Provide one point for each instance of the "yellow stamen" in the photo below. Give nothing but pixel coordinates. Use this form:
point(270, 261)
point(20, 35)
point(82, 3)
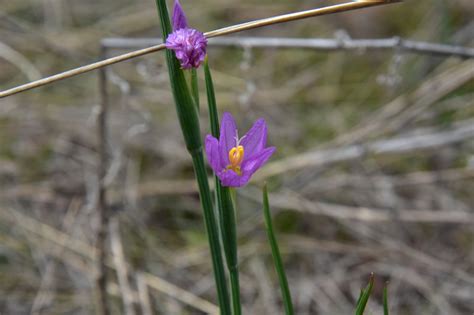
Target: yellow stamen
point(236, 156)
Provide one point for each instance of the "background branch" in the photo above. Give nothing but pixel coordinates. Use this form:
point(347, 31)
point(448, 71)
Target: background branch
point(397, 44)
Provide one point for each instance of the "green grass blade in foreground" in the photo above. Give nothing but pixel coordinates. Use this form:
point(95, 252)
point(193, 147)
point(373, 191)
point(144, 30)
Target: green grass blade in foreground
point(385, 300)
point(213, 234)
point(276, 255)
point(195, 87)
point(225, 206)
point(229, 237)
point(211, 100)
point(187, 112)
point(361, 294)
point(188, 118)
point(364, 298)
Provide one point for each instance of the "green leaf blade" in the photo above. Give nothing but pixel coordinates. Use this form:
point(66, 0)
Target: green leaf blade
point(225, 204)
point(195, 87)
point(285, 290)
point(189, 122)
point(364, 298)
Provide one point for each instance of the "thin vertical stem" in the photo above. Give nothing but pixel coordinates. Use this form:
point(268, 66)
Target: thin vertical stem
point(225, 206)
point(229, 236)
point(195, 87)
point(189, 122)
point(212, 231)
point(234, 282)
point(101, 236)
point(235, 286)
point(285, 291)
point(385, 300)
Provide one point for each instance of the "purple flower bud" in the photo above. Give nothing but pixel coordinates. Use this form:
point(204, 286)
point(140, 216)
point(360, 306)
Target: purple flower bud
point(179, 18)
point(235, 160)
point(188, 44)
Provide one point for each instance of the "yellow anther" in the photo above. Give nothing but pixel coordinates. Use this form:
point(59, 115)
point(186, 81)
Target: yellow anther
point(236, 156)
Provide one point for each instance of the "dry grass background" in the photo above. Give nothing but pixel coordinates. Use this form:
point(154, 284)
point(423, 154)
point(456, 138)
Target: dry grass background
point(374, 170)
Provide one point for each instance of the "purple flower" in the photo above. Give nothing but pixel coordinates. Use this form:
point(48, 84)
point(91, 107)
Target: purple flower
point(235, 160)
point(188, 44)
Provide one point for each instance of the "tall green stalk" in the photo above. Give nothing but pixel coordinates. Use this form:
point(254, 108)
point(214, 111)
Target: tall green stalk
point(189, 121)
point(229, 237)
point(285, 290)
point(225, 205)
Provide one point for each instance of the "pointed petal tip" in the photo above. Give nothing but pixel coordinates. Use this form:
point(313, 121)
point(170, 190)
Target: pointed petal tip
point(179, 17)
point(228, 135)
point(249, 167)
point(255, 139)
point(227, 115)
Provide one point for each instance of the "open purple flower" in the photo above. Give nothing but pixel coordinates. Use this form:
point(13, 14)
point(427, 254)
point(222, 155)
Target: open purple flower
point(235, 160)
point(188, 44)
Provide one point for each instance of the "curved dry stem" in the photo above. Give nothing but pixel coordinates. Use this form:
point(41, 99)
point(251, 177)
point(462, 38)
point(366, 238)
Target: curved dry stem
point(219, 32)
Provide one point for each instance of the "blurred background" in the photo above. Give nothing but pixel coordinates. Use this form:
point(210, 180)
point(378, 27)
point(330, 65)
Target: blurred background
point(374, 170)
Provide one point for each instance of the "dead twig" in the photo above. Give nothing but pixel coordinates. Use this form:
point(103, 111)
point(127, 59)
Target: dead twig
point(354, 5)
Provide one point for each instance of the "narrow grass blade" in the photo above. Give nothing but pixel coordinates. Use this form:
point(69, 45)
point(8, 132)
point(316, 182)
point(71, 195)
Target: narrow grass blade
point(195, 87)
point(225, 205)
point(189, 121)
point(187, 111)
point(385, 300)
point(364, 298)
point(211, 100)
point(360, 296)
point(213, 234)
point(229, 237)
point(276, 255)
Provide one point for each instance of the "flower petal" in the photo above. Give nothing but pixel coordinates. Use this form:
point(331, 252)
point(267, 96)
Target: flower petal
point(212, 152)
point(255, 139)
point(229, 178)
point(179, 18)
point(250, 166)
point(228, 137)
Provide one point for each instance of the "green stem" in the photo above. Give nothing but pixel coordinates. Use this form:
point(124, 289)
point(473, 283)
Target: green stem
point(229, 237)
point(385, 300)
point(212, 232)
point(195, 87)
point(189, 121)
point(211, 99)
point(225, 205)
point(285, 290)
point(234, 282)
